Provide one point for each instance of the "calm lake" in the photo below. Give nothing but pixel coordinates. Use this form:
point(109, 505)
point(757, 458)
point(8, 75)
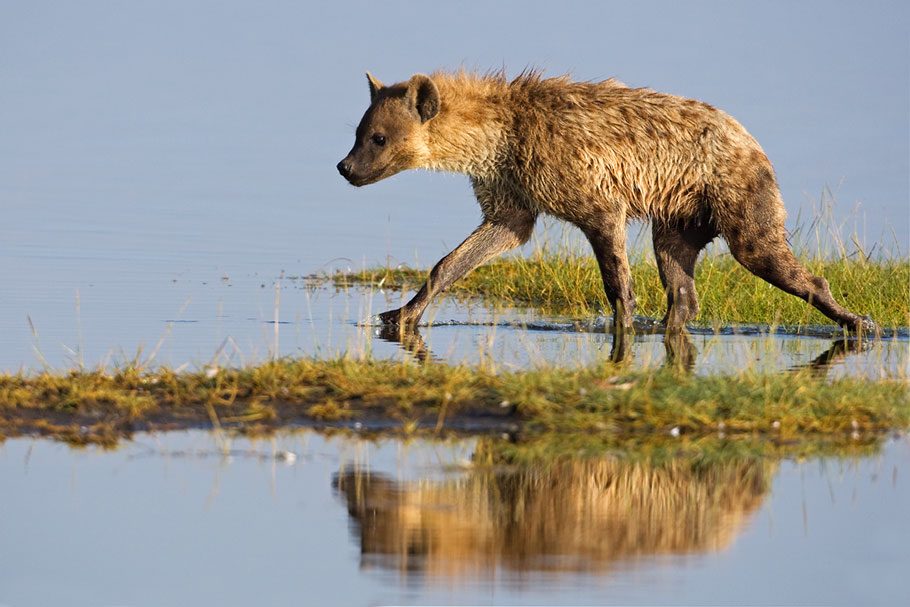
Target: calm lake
point(185, 518)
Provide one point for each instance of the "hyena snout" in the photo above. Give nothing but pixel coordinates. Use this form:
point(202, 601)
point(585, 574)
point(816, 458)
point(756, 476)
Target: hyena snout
point(357, 172)
point(345, 168)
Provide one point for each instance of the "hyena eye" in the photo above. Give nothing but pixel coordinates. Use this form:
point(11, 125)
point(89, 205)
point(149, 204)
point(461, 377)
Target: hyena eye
point(379, 139)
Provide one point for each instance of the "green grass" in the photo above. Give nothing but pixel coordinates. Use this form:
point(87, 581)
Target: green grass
point(602, 399)
point(570, 284)
point(560, 276)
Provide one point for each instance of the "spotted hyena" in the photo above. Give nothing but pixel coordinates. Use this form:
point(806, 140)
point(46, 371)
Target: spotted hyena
point(596, 154)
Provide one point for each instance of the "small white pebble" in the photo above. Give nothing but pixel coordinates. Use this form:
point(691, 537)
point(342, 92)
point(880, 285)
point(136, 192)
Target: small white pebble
point(674, 431)
point(288, 456)
point(775, 424)
point(504, 404)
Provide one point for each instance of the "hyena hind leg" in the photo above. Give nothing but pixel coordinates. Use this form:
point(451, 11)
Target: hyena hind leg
point(676, 247)
point(768, 256)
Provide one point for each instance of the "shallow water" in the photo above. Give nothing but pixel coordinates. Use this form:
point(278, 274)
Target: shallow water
point(305, 518)
point(232, 319)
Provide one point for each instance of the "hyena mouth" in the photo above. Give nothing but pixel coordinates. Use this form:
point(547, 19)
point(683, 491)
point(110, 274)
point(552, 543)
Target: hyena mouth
point(358, 181)
point(362, 180)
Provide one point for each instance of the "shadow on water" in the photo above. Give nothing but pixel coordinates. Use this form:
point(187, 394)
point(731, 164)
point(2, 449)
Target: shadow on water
point(680, 351)
point(565, 515)
point(839, 350)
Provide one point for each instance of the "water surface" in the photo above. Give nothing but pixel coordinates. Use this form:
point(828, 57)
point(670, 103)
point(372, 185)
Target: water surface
point(186, 518)
point(232, 320)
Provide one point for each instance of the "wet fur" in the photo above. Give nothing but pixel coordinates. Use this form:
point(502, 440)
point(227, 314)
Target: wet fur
point(597, 154)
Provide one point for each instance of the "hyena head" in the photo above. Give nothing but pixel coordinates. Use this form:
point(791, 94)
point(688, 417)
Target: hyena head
point(392, 136)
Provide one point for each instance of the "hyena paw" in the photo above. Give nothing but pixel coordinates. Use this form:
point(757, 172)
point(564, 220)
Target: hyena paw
point(396, 317)
point(391, 317)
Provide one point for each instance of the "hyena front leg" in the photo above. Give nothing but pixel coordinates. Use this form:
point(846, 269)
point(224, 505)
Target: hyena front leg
point(491, 238)
point(608, 239)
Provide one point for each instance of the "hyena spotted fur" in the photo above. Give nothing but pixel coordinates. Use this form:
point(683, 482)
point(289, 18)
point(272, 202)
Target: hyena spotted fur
point(596, 154)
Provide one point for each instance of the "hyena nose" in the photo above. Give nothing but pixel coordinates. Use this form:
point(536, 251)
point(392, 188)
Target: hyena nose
point(344, 167)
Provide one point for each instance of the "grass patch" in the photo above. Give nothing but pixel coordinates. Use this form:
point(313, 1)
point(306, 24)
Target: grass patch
point(604, 399)
point(570, 284)
point(559, 275)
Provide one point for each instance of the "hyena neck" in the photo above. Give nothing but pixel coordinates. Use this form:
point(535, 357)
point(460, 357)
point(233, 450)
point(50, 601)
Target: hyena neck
point(469, 133)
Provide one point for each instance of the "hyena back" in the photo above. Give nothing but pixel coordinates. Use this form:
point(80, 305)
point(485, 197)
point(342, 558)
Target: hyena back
point(596, 154)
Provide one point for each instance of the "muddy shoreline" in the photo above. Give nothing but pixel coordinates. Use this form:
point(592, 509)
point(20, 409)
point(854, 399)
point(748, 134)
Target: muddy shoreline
point(108, 425)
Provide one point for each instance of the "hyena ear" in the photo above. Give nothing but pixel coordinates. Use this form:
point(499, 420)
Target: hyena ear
point(423, 97)
point(375, 87)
